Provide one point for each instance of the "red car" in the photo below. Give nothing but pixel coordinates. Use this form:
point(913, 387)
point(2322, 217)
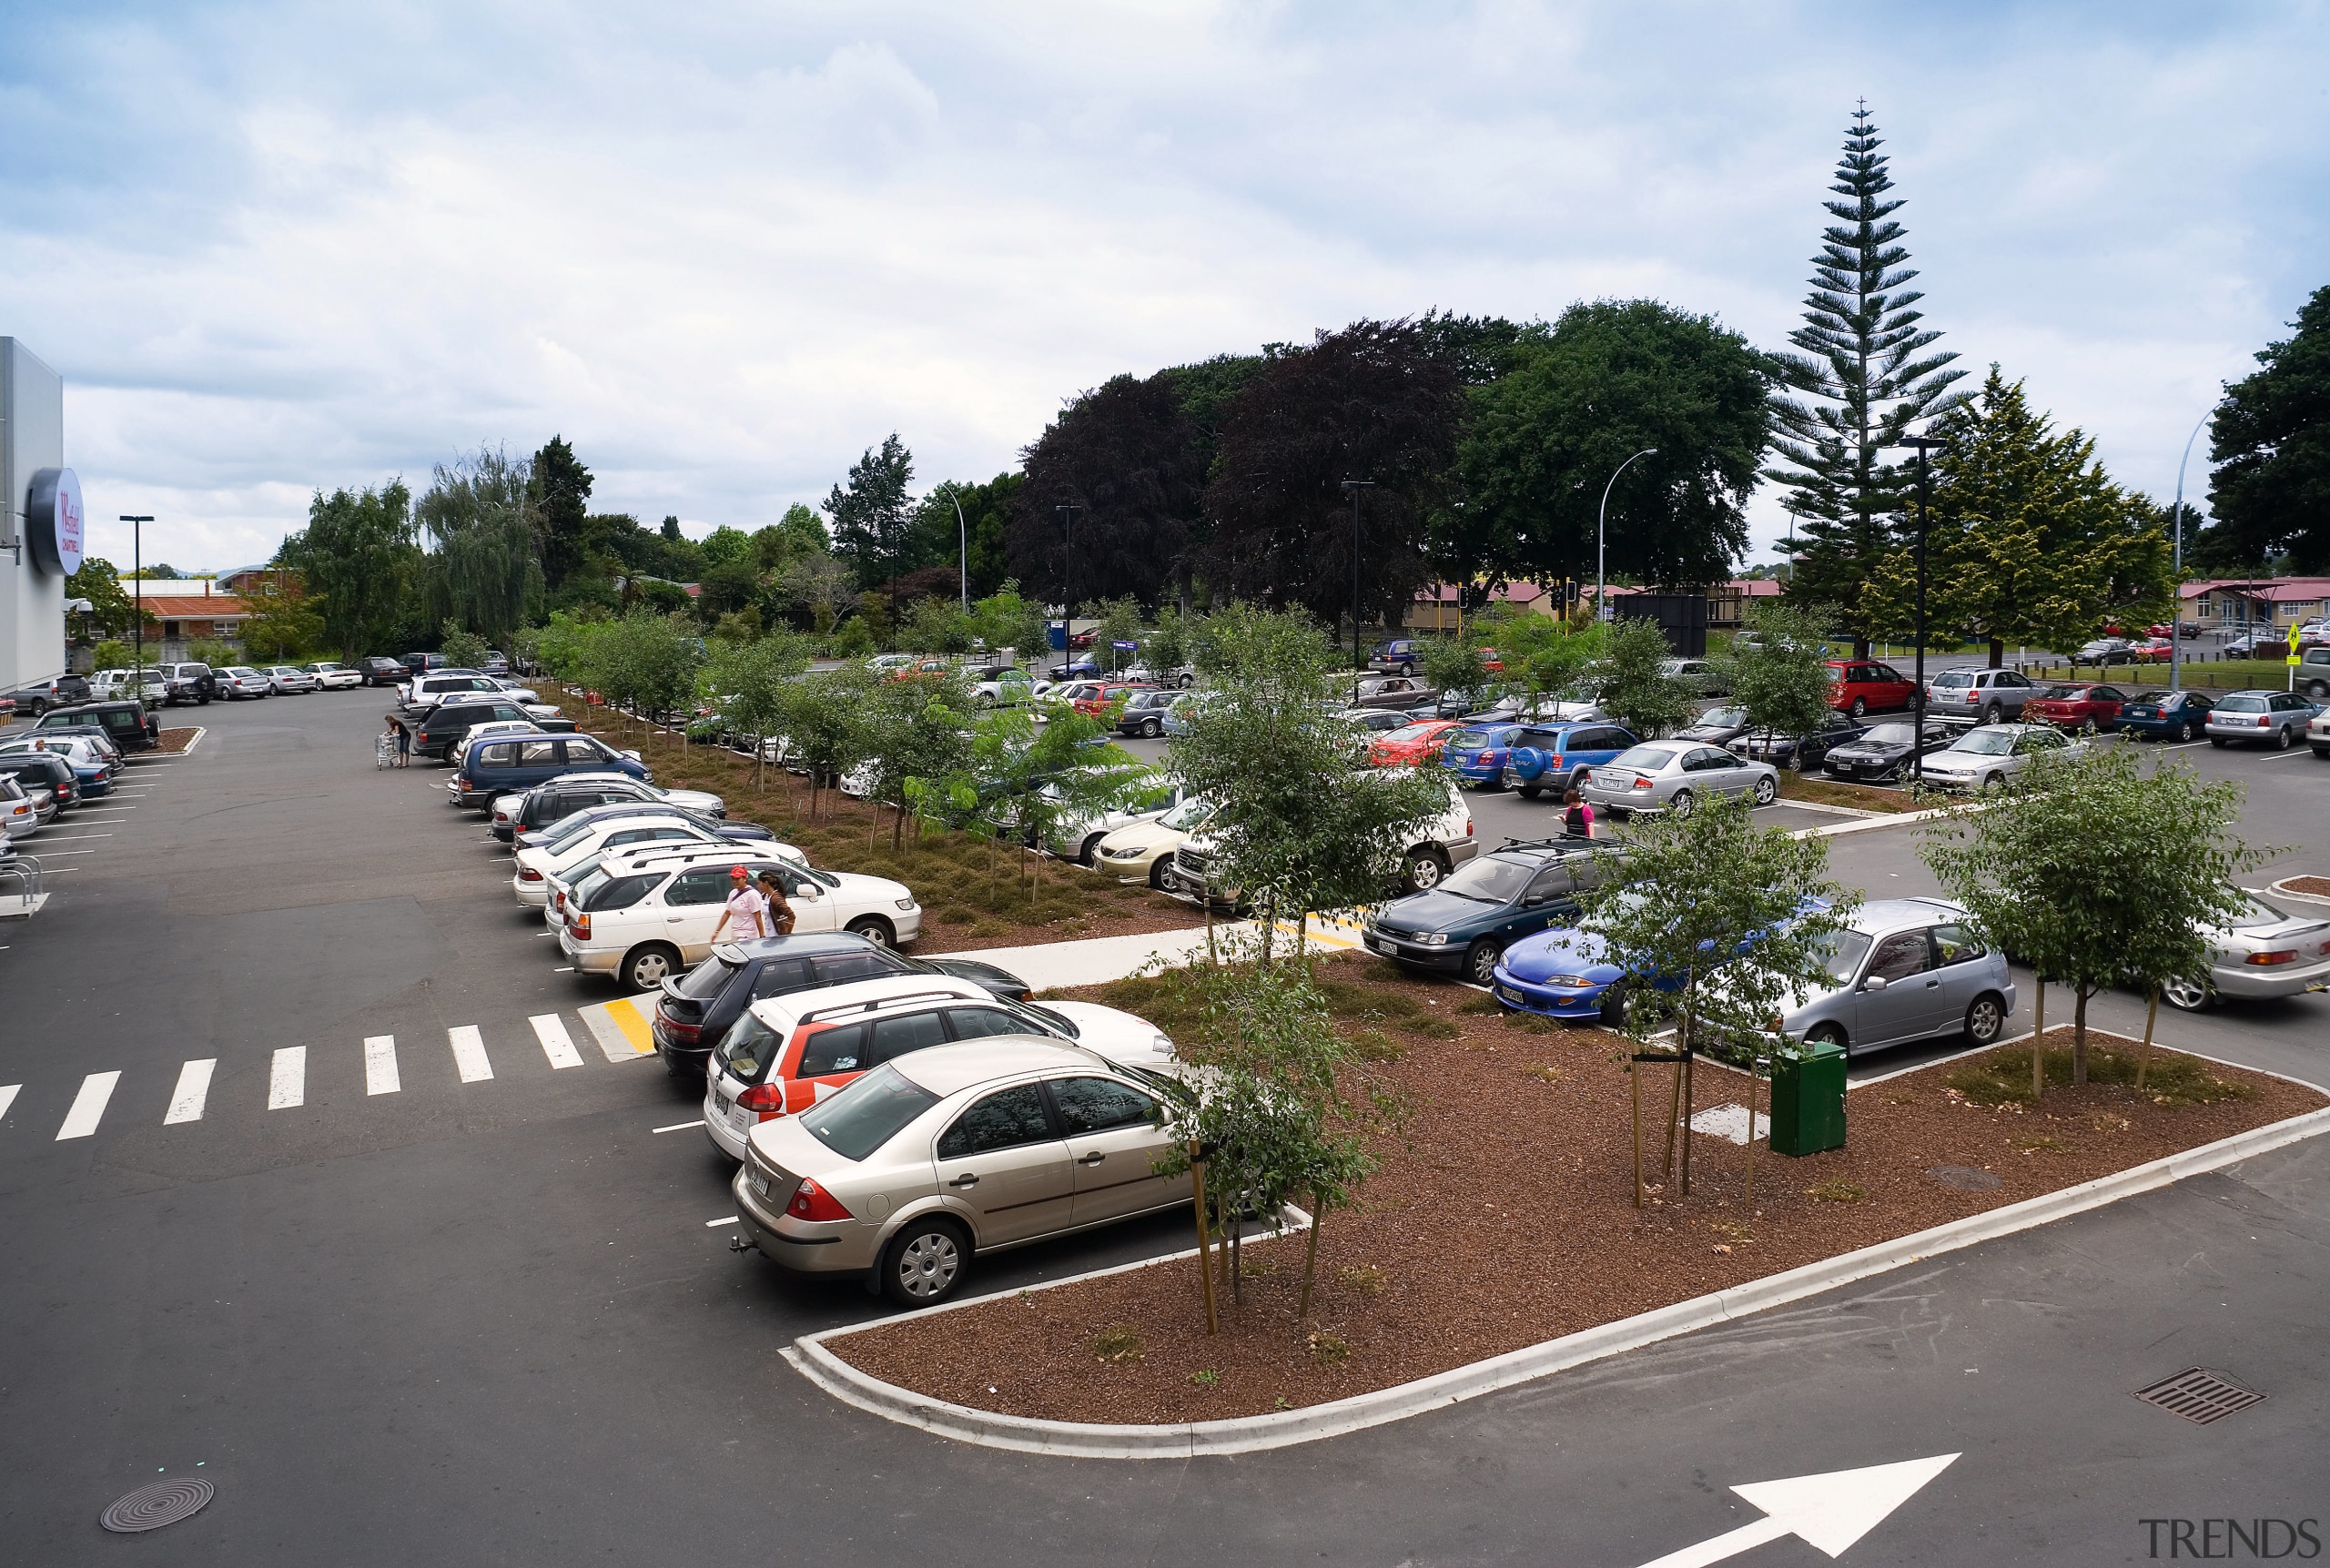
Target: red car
point(1111, 693)
point(2155, 649)
point(1410, 746)
point(2076, 707)
point(1862, 685)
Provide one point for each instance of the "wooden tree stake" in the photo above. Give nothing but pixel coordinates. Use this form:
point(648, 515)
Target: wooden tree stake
point(1205, 1245)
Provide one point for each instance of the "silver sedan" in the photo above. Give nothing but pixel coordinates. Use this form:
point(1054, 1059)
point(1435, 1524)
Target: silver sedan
point(286, 679)
point(1676, 775)
point(2259, 955)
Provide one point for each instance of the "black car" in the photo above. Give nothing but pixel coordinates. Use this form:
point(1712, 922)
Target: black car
point(125, 723)
point(1802, 753)
point(555, 802)
point(1716, 727)
point(38, 770)
point(603, 811)
point(41, 696)
point(696, 1008)
point(1881, 753)
point(446, 724)
point(380, 670)
point(1482, 906)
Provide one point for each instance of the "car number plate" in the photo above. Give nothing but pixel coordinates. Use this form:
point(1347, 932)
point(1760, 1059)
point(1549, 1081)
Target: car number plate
point(723, 1101)
point(1378, 943)
point(760, 1183)
point(1508, 993)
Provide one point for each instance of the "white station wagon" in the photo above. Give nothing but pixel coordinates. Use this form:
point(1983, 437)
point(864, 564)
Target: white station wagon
point(645, 917)
point(564, 857)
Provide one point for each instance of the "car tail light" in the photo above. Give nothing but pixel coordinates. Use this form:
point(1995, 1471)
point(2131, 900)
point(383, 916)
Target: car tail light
point(766, 1098)
point(580, 925)
point(528, 874)
point(811, 1202)
point(2288, 955)
point(1468, 827)
point(2264, 720)
point(1642, 784)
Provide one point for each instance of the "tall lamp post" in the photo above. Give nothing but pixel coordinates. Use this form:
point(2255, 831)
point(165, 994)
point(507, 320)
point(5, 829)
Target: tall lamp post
point(1924, 444)
point(1601, 521)
point(963, 535)
point(1359, 662)
point(137, 603)
point(2176, 523)
point(1066, 600)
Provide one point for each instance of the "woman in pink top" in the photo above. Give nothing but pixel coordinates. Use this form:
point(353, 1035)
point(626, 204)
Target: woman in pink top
point(747, 912)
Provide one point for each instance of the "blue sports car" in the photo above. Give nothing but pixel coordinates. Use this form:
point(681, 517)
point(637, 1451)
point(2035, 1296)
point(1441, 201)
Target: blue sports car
point(1565, 973)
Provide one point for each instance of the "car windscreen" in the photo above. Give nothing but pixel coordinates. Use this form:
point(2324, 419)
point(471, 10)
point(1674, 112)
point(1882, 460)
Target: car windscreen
point(1186, 817)
point(1889, 736)
point(621, 891)
point(1646, 759)
point(1954, 678)
point(1492, 880)
point(1040, 1019)
point(868, 1113)
point(1722, 718)
point(2063, 693)
point(1987, 742)
point(1412, 732)
point(1841, 953)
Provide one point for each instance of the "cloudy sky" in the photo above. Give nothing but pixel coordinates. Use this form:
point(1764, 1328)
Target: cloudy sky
point(722, 247)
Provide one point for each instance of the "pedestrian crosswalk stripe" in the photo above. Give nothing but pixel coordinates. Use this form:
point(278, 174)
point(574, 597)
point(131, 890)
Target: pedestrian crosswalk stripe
point(556, 1045)
point(194, 1090)
point(88, 1106)
point(286, 1080)
point(381, 1065)
point(8, 1097)
point(469, 1053)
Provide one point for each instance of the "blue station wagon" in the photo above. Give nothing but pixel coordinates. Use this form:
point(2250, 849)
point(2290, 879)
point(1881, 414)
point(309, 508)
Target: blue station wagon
point(496, 768)
point(1550, 758)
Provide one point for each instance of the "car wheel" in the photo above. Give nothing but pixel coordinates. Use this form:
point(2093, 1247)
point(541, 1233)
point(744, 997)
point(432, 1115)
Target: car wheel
point(874, 930)
point(2188, 731)
point(1480, 962)
point(1160, 873)
point(1089, 849)
point(1407, 671)
point(1986, 1019)
point(648, 966)
point(2187, 994)
point(924, 1261)
point(1991, 714)
point(1683, 805)
point(1150, 729)
point(1424, 870)
point(1767, 790)
point(2317, 690)
point(1612, 1004)
point(1859, 709)
point(1830, 1034)
point(1529, 792)
point(2284, 737)
point(2217, 741)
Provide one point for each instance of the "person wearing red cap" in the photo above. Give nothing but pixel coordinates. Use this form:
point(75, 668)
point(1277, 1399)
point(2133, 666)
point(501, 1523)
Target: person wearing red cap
point(747, 912)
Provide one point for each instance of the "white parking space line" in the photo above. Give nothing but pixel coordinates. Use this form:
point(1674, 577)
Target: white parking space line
point(469, 1053)
point(714, 1224)
point(676, 1127)
point(69, 837)
point(557, 1045)
point(2284, 757)
point(286, 1080)
point(8, 1093)
point(88, 1106)
point(192, 1093)
point(58, 854)
point(381, 1065)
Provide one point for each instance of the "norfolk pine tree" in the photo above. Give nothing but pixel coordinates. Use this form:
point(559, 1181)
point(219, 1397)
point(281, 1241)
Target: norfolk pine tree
point(1863, 364)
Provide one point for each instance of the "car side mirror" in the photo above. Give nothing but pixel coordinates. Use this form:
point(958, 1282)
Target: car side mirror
point(1875, 982)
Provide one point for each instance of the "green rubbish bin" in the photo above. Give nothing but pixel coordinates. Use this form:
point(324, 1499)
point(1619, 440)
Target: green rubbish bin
point(1808, 1098)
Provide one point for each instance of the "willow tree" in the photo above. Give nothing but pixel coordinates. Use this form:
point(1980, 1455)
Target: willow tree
point(484, 571)
point(1864, 366)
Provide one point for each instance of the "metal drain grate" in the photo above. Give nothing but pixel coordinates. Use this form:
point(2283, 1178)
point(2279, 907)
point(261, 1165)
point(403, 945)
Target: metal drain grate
point(151, 1507)
point(2198, 1395)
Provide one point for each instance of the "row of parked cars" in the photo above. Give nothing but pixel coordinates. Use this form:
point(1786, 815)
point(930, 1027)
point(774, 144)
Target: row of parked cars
point(70, 757)
point(889, 1116)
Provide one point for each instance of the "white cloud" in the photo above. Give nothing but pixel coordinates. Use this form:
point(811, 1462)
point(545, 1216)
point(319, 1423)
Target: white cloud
point(725, 249)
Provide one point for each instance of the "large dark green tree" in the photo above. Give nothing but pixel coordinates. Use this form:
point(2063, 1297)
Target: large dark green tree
point(560, 487)
point(1371, 403)
point(2271, 441)
point(985, 519)
point(1606, 381)
point(1128, 459)
point(480, 513)
point(1865, 367)
point(360, 561)
point(872, 514)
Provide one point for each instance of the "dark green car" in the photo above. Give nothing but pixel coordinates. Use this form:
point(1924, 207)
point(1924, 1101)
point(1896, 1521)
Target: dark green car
point(1462, 926)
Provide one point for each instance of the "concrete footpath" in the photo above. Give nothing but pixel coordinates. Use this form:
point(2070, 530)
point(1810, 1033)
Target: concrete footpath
point(1097, 960)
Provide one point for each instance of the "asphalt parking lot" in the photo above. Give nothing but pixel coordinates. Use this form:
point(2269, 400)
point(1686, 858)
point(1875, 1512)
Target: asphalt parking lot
point(397, 1312)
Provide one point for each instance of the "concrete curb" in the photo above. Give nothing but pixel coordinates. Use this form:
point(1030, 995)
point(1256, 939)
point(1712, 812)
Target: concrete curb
point(1249, 1435)
point(2279, 890)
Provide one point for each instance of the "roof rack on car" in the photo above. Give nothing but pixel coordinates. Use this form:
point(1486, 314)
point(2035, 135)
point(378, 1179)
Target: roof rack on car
point(848, 1007)
point(1559, 841)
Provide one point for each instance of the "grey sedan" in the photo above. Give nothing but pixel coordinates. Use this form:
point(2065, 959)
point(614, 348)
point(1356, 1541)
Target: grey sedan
point(1676, 775)
point(2258, 954)
point(1906, 969)
point(1986, 757)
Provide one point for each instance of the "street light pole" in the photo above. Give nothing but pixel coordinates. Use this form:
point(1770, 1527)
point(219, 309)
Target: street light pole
point(963, 534)
point(1601, 593)
point(1358, 662)
point(1917, 734)
point(137, 603)
point(2176, 523)
point(1066, 600)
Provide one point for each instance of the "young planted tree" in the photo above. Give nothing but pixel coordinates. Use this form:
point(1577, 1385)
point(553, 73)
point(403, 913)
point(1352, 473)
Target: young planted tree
point(1299, 823)
point(1722, 923)
point(914, 729)
point(2094, 874)
point(1631, 679)
point(462, 648)
point(1455, 667)
point(750, 680)
point(1119, 620)
point(1780, 675)
point(1544, 658)
point(823, 719)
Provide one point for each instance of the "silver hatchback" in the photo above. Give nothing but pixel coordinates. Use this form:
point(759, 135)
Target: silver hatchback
point(1676, 775)
point(927, 1160)
point(1989, 695)
point(1906, 969)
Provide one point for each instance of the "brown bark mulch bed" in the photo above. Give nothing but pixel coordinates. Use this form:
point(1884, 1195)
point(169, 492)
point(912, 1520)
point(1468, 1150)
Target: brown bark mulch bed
point(2317, 886)
point(1821, 790)
point(1507, 1219)
point(967, 903)
point(171, 741)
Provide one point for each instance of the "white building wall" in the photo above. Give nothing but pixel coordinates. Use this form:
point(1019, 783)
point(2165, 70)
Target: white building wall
point(32, 437)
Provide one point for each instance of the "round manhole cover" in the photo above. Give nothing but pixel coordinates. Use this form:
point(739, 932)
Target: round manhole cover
point(151, 1507)
point(1965, 1178)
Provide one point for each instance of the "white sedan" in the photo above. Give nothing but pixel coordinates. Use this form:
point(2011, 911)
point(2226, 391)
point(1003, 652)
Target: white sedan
point(564, 857)
point(643, 918)
point(1987, 756)
point(334, 677)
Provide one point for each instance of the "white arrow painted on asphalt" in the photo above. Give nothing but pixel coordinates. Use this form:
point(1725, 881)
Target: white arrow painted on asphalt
point(1832, 1511)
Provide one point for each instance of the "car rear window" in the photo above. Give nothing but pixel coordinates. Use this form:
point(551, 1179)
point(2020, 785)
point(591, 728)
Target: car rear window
point(868, 1113)
point(618, 892)
point(2240, 704)
point(706, 981)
